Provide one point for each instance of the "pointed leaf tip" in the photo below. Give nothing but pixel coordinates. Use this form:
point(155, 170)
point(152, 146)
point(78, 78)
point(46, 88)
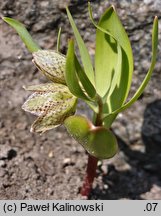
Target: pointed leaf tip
point(23, 33)
point(156, 17)
point(113, 7)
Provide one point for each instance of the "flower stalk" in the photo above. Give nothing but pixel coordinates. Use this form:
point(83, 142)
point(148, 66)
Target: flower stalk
point(90, 175)
point(92, 161)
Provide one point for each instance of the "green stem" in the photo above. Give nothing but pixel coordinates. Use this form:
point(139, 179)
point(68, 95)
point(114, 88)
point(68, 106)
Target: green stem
point(92, 161)
point(98, 121)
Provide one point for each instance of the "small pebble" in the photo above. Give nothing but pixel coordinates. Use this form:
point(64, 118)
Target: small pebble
point(50, 155)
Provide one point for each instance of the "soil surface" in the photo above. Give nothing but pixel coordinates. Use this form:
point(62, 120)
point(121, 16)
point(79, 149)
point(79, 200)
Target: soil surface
point(52, 166)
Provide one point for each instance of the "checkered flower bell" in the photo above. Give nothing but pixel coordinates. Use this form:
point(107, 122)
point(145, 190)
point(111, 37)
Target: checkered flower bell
point(51, 102)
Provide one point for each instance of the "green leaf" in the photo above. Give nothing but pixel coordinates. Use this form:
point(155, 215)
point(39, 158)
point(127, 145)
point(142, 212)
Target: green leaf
point(87, 85)
point(58, 40)
point(148, 76)
point(101, 143)
point(115, 79)
point(85, 57)
point(70, 73)
point(78, 127)
point(97, 141)
point(52, 103)
point(23, 33)
point(112, 50)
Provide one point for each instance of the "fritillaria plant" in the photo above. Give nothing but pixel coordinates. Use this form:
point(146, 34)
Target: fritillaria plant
point(104, 86)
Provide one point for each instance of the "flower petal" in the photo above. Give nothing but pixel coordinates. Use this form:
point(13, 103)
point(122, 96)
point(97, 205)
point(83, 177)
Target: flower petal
point(52, 102)
point(54, 116)
point(51, 63)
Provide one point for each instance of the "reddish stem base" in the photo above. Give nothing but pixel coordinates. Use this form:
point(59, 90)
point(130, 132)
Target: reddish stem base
point(90, 175)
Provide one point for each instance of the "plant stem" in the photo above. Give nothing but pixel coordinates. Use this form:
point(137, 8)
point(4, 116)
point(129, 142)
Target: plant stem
point(98, 121)
point(92, 161)
point(90, 175)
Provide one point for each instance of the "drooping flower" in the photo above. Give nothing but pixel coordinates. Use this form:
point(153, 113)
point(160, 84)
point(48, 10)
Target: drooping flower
point(51, 102)
point(51, 64)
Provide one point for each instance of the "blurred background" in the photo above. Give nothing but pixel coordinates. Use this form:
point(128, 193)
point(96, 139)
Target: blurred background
point(52, 166)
